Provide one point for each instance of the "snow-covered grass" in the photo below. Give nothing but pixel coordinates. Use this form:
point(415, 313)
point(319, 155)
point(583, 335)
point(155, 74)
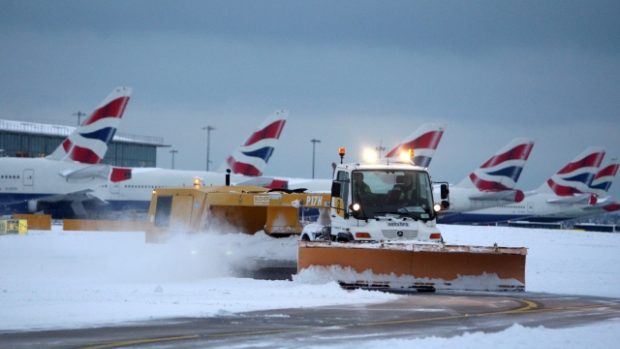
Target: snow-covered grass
point(75, 279)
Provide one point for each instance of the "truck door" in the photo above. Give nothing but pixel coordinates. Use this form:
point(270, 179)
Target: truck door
point(115, 188)
point(343, 178)
point(28, 177)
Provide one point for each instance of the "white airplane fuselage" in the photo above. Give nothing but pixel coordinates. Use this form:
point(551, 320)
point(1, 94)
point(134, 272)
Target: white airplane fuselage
point(138, 189)
point(25, 180)
point(535, 207)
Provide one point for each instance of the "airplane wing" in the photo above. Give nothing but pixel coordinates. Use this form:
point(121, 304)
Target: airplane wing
point(81, 195)
point(101, 171)
point(94, 171)
point(504, 195)
point(76, 199)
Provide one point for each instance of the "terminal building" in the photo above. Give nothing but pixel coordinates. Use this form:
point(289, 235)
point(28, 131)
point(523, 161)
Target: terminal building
point(31, 139)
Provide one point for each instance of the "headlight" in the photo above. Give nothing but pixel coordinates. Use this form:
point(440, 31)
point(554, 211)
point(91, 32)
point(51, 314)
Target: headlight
point(437, 207)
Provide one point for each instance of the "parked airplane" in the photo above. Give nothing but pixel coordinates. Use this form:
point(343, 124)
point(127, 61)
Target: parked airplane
point(248, 161)
point(251, 158)
point(565, 189)
point(493, 183)
point(600, 187)
point(67, 176)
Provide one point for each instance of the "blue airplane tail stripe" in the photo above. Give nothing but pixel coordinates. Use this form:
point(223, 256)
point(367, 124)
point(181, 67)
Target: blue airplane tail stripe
point(263, 153)
point(585, 178)
point(422, 161)
point(512, 172)
point(602, 186)
point(105, 134)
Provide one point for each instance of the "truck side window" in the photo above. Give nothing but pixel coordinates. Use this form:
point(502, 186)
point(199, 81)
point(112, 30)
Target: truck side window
point(343, 177)
point(162, 211)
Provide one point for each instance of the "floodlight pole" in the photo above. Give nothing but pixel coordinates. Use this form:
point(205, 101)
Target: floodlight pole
point(173, 152)
point(208, 128)
point(314, 142)
point(379, 149)
point(79, 115)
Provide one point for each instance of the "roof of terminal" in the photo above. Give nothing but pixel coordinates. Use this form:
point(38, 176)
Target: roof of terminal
point(64, 130)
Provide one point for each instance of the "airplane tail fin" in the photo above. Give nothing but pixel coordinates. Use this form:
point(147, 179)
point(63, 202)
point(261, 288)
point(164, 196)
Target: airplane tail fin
point(603, 179)
point(502, 171)
point(423, 141)
point(251, 158)
point(88, 143)
point(576, 176)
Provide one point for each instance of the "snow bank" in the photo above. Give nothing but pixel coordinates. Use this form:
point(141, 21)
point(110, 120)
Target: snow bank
point(484, 282)
point(602, 335)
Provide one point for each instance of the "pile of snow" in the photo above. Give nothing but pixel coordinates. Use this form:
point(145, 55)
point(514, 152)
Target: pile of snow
point(484, 282)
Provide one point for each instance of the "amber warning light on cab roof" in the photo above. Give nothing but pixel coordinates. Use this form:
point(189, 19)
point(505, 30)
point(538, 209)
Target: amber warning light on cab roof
point(341, 152)
point(406, 155)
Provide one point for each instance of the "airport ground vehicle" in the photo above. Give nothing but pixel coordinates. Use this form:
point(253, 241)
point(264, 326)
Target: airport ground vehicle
point(376, 229)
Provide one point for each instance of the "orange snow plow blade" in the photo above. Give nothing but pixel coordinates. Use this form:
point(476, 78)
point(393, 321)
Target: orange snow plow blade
point(419, 266)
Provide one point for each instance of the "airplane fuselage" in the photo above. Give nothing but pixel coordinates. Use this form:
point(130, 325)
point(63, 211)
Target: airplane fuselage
point(536, 207)
point(23, 181)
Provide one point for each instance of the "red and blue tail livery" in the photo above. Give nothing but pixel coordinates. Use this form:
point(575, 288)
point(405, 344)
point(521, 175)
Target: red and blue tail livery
point(577, 176)
point(602, 180)
point(501, 172)
point(251, 158)
point(423, 142)
point(89, 142)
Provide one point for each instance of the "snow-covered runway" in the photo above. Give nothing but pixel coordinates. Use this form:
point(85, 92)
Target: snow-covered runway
point(66, 280)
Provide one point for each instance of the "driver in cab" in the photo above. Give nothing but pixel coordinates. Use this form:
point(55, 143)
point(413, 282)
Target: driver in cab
point(360, 187)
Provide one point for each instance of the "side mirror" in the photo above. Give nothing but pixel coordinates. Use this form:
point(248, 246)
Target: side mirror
point(336, 189)
point(444, 191)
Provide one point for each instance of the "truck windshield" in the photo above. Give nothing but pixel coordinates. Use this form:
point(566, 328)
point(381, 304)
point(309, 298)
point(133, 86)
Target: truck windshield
point(392, 192)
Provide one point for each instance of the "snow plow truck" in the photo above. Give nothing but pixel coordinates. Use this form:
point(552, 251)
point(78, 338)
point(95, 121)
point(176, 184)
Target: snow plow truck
point(376, 229)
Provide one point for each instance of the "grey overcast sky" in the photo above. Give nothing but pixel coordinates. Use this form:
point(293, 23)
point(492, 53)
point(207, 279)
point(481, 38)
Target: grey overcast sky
point(352, 73)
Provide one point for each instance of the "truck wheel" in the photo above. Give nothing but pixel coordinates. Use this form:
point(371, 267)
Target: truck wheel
point(344, 237)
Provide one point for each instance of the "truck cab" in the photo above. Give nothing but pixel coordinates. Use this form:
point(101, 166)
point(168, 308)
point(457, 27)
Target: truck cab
point(374, 202)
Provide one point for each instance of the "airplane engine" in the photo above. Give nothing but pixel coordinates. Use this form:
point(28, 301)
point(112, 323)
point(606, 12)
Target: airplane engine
point(33, 206)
